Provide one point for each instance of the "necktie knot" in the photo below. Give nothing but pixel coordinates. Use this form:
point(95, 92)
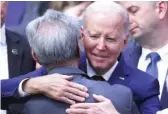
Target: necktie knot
point(154, 56)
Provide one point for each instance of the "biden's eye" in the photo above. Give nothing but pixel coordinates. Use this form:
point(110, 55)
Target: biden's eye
point(94, 36)
point(111, 39)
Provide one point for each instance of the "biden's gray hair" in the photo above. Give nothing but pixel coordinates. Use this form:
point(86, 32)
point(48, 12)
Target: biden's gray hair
point(110, 7)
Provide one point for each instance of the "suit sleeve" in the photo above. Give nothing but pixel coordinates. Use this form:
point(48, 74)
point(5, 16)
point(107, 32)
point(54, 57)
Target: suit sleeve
point(9, 86)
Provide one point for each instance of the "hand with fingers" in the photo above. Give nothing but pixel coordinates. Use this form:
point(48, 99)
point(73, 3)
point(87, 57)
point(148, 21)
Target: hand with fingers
point(58, 87)
point(103, 106)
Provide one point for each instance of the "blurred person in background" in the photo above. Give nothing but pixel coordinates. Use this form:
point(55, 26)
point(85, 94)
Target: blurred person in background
point(15, 55)
point(150, 54)
point(71, 8)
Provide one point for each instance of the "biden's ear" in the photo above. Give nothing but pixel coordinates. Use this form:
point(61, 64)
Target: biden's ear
point(127, 37)
point(80, 42)
point(81, 33)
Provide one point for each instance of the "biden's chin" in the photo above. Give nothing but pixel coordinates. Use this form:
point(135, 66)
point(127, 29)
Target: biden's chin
point(99, 67)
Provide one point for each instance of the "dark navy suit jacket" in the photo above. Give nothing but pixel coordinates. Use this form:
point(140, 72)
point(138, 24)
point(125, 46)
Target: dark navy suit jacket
point(145, 88)
point(120, 96)
point(20, 62)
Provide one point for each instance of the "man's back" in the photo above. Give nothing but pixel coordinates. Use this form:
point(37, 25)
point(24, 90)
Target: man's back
point(120, 96)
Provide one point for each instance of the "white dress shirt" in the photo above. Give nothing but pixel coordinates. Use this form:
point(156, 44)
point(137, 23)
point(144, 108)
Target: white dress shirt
point(162, 64)
point(162, 68)
point(4, 74)
point(106, 76)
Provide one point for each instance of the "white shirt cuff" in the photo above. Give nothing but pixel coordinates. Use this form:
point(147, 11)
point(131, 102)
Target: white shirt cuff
point(165, 111)
point(20, 89)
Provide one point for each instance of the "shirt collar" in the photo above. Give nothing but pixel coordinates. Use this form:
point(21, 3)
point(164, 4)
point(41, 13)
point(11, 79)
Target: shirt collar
point(106, 76)
point(163, 52)
point(3, 35)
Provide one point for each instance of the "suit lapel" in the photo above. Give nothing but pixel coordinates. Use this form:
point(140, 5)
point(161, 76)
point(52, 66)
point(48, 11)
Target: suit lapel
point(15, 52)
point(120, 74)
point(134, 56)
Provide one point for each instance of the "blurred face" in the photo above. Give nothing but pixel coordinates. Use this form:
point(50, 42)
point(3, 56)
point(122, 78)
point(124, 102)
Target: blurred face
point(77, 10)
point(142, 18)
point(103, 41)
point(3, 9)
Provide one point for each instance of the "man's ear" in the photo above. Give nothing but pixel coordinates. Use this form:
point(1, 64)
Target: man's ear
point(161, 9)
point(34, 56)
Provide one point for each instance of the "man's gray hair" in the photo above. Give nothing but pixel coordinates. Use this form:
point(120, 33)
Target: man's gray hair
point(108, 7)
point(54, 37)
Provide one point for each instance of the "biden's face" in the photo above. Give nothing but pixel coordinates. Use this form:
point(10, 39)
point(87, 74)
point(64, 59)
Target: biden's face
point(103, 41)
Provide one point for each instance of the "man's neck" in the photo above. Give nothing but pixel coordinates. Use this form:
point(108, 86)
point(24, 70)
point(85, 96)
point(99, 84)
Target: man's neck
point(70, 63)
point(156, 41)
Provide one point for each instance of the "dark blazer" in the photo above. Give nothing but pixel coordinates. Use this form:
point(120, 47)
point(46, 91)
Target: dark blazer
point(20, 61)
point(145, 88)
point(42, 105)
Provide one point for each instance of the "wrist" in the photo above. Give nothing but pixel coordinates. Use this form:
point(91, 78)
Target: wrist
point(31, 86)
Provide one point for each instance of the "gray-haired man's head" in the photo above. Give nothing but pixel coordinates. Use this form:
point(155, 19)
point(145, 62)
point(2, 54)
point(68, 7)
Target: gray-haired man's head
point(54, 37)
